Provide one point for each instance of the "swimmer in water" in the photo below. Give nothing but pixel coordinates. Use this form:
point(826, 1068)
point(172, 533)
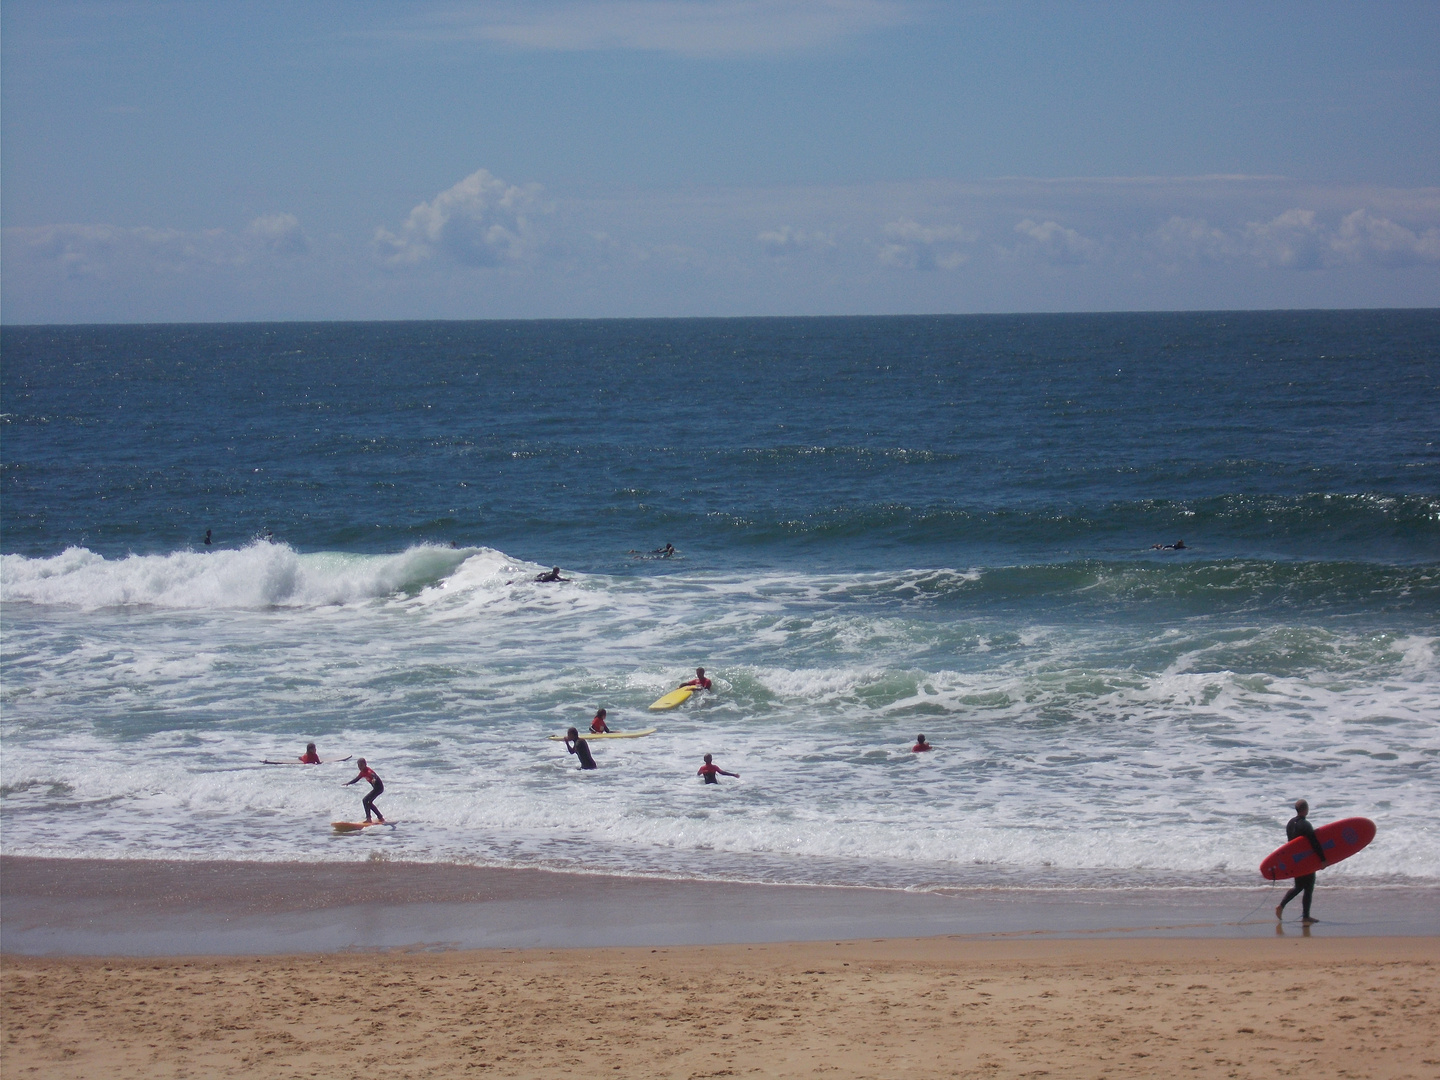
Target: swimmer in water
point(920, 745)
point(710, 772)
point(665, 552)
point(699, 682)
point(311, 755)
point(598, 725)
point(580, 748)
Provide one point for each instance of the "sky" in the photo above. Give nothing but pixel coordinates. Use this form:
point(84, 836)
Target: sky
point(193, 161)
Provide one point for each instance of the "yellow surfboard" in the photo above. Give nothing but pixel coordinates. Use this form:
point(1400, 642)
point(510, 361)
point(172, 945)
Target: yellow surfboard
point(672, 699)
point(607, 735)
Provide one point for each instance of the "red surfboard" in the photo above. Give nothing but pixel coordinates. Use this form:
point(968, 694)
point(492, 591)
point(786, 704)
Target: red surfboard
point(1339, 840)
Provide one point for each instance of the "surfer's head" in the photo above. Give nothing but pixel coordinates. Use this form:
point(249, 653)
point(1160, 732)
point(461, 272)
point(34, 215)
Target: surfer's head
point(310, 748)
point(707, 759)
point(600, 714)
point(700, 671)
point(573, 733)
point(360, 763)
point(1302, 807)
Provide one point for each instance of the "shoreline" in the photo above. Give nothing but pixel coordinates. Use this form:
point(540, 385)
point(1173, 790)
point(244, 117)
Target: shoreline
point(99, 907)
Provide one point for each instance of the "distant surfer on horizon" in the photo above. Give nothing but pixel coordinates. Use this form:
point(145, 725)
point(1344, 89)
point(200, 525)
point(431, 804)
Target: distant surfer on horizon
point(311, 755)
point(553, 575)
point(580, 748)
point(1178, 545)
point(377, 788)
point(920, 745)
point(207, 537)
point(1305, 883)
point(710, 773)
point(699, 682)
point(598, 725)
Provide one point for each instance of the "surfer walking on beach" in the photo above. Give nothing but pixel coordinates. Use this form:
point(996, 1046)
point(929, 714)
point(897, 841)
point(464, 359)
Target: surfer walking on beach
point(598, 725)
point(710, 773)
point(580, 748)
point(699, 682)
point(377, 788)
point(1305, 883)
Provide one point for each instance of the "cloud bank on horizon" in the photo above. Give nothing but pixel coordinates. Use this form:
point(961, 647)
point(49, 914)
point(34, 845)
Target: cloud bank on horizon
point(618, 239)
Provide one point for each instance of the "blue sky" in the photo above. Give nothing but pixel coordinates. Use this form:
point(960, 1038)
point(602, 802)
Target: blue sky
point(179, 161)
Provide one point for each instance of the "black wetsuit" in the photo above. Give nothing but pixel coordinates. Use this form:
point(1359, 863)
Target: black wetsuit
point(1305, 883)
point(581, 749)
point(377, 788)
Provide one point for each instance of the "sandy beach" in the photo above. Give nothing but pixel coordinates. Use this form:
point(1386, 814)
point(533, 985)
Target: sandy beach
point(933, 1007)
point(316, 987)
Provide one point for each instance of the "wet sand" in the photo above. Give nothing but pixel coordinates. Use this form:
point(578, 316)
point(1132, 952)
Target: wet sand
point(142, 908)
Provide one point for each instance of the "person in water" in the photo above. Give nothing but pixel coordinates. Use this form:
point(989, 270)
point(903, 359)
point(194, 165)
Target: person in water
point(920, 745)
point(207, 537)
point(377, 788)
point(710, 772)
point(580, 748)
point(699, 682)
point(1178, 545)
point(311, 755)
point(1305, 883)
point(665, 552)
point(598, 725)
point(553, 575)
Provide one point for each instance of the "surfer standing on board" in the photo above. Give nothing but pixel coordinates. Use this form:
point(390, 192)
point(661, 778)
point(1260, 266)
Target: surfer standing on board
point(710, 773)
point(699, 682)
point(598, 725)
point(580, 748)
point(377, 788)
point(1305, 883)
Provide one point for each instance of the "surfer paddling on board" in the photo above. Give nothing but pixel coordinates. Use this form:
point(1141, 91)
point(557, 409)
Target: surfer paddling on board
point(553, 575)
point(377, 788)
point(920, 745)
point(598, 725)
point(311, 755)
point(710, 773)
point(699, 682)
point(665, 552)
point(1305, 883)
point(580, 748)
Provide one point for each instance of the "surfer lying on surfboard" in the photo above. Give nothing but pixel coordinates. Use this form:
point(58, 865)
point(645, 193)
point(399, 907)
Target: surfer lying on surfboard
point(377, 788)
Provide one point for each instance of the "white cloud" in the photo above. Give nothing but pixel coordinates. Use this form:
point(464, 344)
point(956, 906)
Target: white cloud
point(1054, 243)
point(280, 233)
point(786, 240)
point(481, 221)
point(686, 27)
point(912, 246)
point(1293, 239)
point(1187, 239)
point(1363, 237)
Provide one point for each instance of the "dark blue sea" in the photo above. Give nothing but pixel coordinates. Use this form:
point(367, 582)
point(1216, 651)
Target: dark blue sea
point(1143, 580)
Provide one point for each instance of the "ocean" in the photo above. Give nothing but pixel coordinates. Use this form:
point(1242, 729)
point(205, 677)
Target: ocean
point(884, 526)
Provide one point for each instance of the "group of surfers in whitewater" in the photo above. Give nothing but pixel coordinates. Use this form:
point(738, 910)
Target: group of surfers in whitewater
point(710, 773)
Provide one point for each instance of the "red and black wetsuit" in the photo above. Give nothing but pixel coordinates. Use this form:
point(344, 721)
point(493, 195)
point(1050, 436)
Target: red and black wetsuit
point(377, 788)
point(709, 773)
point(1305, 883)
